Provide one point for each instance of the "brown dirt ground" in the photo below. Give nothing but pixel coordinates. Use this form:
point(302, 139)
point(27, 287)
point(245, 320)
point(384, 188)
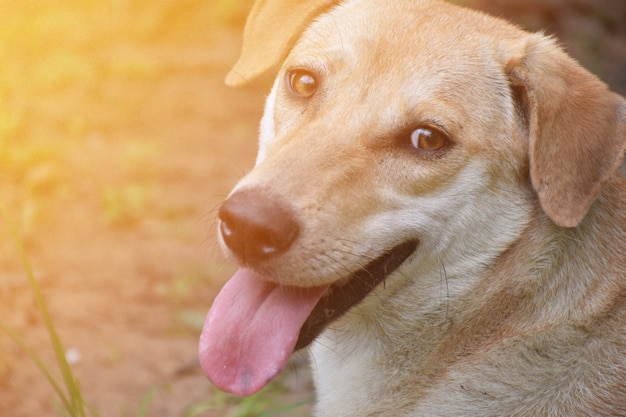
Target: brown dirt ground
point(118, 140)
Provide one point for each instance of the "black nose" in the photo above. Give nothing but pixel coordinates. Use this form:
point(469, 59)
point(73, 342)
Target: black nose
point(256, 226)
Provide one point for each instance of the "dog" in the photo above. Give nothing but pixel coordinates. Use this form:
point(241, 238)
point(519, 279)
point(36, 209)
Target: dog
point(435, 212)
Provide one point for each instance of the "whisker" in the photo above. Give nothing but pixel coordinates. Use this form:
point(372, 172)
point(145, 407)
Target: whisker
point(444, 275)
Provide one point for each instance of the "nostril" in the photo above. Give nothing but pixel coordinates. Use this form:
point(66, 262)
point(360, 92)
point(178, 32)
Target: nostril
point(257, 226)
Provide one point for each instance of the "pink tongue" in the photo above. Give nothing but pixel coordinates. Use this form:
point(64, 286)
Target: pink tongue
point(251, 330)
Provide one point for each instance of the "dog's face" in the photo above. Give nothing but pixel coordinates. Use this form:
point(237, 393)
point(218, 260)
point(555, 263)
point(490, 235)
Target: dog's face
point(369, 149)
point(396, 145)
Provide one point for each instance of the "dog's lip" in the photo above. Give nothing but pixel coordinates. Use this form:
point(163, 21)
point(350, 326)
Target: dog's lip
point(340, 298)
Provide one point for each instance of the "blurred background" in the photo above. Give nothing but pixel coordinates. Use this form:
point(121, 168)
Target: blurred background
point(118, 140)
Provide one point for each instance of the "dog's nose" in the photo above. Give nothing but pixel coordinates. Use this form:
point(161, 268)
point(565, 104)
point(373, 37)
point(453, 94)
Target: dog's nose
point(256, 226)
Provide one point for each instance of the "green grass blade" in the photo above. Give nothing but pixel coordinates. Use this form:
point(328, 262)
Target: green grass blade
point(145, 402)
point(75, 406)
point(37, 360)
point(287, 408)
point(199, 408)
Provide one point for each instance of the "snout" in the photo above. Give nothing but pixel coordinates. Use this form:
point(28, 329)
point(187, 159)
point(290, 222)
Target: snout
point(257, 226)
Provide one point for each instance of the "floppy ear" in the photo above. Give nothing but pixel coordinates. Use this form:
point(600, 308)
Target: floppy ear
point(577, 128)
point(272, 28)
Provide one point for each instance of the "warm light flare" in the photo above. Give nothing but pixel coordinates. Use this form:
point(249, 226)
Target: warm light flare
point(110, 112)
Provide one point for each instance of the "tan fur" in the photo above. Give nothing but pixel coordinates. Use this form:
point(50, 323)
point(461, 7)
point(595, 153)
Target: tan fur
point(514, 303)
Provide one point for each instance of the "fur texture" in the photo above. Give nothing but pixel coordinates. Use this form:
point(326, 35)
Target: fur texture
point(514, 303)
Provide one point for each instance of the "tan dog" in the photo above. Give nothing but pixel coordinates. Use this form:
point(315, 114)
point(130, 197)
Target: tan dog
point(436, 197)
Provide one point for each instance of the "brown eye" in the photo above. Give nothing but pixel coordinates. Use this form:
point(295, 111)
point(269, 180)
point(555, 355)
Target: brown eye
point(302, 83)
point(429, 139)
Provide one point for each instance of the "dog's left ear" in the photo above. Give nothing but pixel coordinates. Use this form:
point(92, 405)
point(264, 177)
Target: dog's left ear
point(273, 26)
point(577, 128)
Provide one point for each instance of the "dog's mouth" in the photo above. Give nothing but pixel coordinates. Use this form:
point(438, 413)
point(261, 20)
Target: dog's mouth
point(338, 299)
point(255, 325)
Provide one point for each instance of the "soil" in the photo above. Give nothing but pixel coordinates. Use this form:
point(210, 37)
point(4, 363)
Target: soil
point(118, 141)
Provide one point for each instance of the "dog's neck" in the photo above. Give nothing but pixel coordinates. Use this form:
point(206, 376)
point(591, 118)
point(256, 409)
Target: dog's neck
point(530, 287)
point(526, 292)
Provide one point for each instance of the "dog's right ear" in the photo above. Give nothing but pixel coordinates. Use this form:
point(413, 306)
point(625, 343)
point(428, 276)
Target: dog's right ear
point(272, 28)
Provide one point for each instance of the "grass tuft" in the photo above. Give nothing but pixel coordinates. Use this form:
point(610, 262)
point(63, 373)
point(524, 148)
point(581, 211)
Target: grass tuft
point(72, 401)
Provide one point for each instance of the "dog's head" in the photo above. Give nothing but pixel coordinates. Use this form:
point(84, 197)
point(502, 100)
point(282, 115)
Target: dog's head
point(398, 136)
